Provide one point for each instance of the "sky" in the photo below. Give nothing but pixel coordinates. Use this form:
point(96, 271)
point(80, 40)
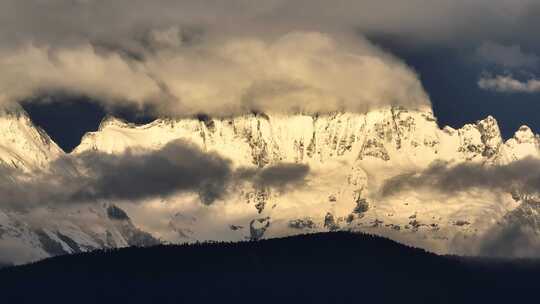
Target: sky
point(450, 74)
point(71, 62)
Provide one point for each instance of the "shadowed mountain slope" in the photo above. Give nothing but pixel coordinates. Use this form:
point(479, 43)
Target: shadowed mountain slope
point(317, 268)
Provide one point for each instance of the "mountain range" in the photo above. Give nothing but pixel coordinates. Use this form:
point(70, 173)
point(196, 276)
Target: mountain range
point(352, 157)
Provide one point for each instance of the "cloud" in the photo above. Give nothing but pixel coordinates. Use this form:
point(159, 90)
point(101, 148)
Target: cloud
point(127, 22)
point(514, 235)
point(281, 176)
point(508, 84)
point(514, 240)
point(179, 167)
point(224, 58)
point(510, 56)
point(509, 237)
point(299, 71)
point(521, 175)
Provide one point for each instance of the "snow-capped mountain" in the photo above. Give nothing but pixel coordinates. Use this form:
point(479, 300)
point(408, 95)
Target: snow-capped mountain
point(350, 156)
point(22, 145)
point(27, 235)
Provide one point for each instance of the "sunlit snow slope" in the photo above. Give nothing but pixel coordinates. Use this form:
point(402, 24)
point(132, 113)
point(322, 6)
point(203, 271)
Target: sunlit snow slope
point(350, 156)
point(27, 235)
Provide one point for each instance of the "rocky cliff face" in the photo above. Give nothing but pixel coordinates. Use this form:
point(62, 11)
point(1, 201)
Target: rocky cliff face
point(390, 134)
point(350, 155)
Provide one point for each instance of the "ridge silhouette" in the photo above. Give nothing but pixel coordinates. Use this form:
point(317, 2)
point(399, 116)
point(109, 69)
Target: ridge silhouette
point(336, 267)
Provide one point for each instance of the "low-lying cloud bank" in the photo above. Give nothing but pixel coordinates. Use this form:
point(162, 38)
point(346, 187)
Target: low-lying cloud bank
point(521, 175)
point(517, 240)
point(513, 235)
point(179, 167)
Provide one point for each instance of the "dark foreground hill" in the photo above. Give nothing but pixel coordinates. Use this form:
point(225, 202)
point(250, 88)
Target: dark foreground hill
point(320, 268)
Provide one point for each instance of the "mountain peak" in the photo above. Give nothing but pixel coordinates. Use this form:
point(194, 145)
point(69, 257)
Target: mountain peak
point(488, 120)
point(22, 144)
point(524, 135)
point(490, 135)
point(110, 120)
point(12, 110)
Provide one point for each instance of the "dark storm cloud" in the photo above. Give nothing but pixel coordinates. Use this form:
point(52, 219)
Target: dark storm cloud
point(521, 175)
point(179, 167)
point(509, 56)
point(280, 176)
point(127, 22)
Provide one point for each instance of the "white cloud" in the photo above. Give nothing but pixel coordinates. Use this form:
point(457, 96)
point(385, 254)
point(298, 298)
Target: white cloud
point(299, 71)
point(223, 56)
point(508, 84)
